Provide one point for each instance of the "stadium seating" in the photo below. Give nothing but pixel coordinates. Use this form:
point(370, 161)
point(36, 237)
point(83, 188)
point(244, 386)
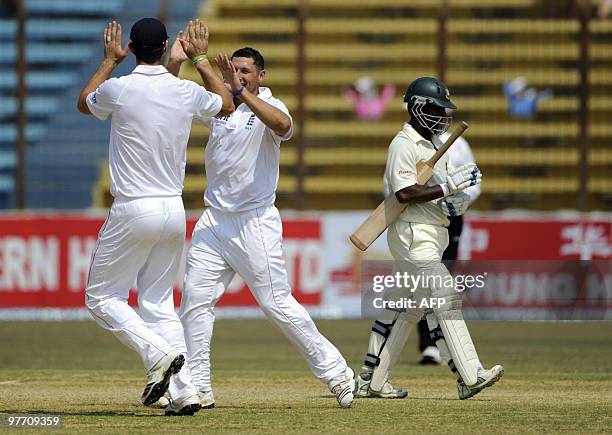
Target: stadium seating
point(38, 81)
point(59, 41)
point(63, 49)
point(527, 163)
point(40, 29)
point(76, 8)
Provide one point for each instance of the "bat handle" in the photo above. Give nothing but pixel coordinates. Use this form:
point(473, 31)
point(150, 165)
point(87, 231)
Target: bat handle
point(453, 137)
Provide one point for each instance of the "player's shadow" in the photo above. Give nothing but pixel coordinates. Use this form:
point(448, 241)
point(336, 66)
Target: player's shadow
point(412, 397)
point(450, 399)
point(87, 413)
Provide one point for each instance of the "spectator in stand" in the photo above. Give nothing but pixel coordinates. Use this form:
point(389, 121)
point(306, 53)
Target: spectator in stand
point(522, 100)
point(368, 103)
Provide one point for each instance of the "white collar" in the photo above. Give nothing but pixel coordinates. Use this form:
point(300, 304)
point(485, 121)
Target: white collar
point(264, 93)
point(150, 70)
point(416, 137)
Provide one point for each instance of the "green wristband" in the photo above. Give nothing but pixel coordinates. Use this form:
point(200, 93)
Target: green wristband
point(198, 58)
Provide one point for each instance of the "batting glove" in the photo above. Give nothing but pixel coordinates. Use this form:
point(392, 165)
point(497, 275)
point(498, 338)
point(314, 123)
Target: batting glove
point(455, 204)
point(462, 178)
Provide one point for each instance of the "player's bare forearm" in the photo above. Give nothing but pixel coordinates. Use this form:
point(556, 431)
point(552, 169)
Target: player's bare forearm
point(416, 193)
point(100, 76)
point(272, 117)
point(214, 84)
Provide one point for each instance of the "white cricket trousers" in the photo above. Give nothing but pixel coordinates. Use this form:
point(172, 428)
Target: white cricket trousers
point(141, 243)
point(250, 244)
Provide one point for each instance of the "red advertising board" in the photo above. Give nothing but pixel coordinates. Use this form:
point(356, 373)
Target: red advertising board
point(495, 238)
point(44, 258)
point(44, 261)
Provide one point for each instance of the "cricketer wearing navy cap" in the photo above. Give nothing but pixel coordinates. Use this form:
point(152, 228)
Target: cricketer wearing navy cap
point(143, 238)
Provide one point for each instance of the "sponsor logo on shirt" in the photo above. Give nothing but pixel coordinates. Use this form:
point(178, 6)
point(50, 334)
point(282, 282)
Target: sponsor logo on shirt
point(405, 172)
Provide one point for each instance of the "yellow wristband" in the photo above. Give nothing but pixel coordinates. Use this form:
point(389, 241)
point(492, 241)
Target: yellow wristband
point(198, 58)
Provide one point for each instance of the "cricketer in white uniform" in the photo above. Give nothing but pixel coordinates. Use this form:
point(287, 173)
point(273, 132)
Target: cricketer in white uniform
point(417, 240)
point(241, 232)
point(143, 237)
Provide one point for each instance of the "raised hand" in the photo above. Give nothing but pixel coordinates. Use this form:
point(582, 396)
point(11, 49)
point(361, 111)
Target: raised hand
point(177, 54)
point(228, 70)
point(195, 39)
point(114, 53)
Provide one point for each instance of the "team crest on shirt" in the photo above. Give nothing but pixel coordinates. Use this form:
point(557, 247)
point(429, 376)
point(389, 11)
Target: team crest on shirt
point(250, 122)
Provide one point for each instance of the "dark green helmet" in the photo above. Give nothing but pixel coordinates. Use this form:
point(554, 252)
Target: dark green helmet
point(434, 91)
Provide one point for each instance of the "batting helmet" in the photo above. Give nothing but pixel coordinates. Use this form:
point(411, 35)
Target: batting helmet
point(429, 91)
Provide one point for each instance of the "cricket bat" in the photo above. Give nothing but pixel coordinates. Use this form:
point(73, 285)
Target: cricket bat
point(390, 209)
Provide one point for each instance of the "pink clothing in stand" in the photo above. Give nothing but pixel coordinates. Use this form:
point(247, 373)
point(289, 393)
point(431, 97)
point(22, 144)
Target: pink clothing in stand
point(370, 109)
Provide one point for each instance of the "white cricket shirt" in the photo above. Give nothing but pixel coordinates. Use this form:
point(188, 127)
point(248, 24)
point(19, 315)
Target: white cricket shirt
point(406, 149)
point(152, 112)
point(242, 158)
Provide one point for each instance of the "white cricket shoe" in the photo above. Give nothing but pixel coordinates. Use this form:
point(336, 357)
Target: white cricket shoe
point(486, 378)
point(387, 391)
point(207, 400)
point(187, 406)
point(162, 402)
point(343, 387)
point(158, 377)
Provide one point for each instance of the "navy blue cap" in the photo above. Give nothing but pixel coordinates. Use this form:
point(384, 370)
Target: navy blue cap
point(148, 33)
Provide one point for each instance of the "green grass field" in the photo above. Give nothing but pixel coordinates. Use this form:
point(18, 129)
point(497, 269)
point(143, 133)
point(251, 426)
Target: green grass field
point(558, 379)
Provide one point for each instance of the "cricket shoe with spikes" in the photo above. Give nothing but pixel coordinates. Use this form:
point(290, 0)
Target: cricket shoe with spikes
point(187, 406)
point(486, 378)
point(158, 377)
point(387, 391)
point(343, 386)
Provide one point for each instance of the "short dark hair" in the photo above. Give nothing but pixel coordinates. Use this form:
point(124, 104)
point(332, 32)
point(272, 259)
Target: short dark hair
point(148, 55)
point(258, 59)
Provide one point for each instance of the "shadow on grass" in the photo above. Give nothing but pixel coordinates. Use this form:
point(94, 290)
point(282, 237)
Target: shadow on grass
point(82, 414)
point(412, 397)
